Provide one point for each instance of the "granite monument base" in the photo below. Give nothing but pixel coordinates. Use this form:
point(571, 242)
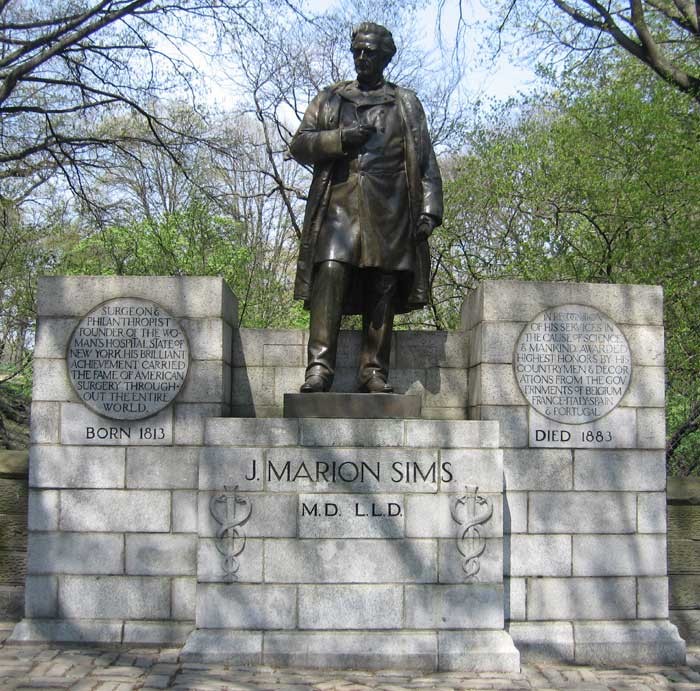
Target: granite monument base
point(265, 536)
point(351, 543)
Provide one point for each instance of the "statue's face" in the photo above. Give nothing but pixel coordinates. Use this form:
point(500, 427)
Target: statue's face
point(369, 59)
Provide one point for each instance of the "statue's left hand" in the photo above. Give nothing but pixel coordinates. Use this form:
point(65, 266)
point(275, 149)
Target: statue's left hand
point(424, 228)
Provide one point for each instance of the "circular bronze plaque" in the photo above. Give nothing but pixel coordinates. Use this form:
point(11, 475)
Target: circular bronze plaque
point(128, 359)
point(572, 363)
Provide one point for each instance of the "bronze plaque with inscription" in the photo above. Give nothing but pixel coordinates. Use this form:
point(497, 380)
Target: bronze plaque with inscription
point(573, 364)
point(128, 359)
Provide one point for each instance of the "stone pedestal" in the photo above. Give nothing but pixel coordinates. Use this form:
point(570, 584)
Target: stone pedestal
point(352, 405)
point(353, 543)
point(574, 374)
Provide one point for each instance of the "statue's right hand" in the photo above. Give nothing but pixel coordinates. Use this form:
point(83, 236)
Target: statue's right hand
point(356, 136)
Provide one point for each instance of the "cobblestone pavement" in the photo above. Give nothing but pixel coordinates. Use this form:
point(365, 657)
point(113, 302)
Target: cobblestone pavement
point(85, 668)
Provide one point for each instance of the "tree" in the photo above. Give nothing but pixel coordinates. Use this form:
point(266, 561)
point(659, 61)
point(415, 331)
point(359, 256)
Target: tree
point(662, 34)
point(594, 181)
point(67, 69)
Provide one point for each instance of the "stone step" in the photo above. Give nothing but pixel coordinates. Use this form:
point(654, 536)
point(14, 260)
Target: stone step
point(351, 432)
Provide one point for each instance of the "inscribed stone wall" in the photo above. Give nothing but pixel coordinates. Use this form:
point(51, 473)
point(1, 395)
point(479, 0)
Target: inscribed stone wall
point(122, 541)
point(112, 502)
point(585, 534)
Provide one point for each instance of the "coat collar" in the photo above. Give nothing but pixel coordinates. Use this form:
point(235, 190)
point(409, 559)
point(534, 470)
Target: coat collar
point(351, 91)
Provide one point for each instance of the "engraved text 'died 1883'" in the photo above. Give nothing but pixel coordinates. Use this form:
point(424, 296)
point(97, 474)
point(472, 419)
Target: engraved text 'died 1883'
point(128, 359)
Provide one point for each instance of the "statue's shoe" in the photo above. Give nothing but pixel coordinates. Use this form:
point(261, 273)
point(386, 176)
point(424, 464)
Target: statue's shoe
point(314, 384)
point(376, 384)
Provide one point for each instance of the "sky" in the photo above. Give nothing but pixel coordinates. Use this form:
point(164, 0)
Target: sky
point(487, 77)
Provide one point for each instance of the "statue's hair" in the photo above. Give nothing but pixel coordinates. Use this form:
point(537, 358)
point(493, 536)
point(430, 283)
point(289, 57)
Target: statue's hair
point(386, 40)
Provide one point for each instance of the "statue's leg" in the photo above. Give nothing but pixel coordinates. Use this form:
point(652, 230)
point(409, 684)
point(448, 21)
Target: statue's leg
point(330, 285)
point(377, 324)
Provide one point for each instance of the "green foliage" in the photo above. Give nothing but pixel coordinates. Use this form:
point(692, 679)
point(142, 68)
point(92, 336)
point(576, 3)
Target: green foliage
point(192, 242)
point(595, 181)
point(15, 399)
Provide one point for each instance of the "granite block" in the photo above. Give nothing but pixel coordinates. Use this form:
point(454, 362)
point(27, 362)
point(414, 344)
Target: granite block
point(76, 467)
point(624, 471)
point(45, 422)
point(161, 554)
point(473, 467)
point(476, 605)
point(523, 300)
point(52, 336)
point(581, 598)
point(452, 563)
point(42, 510)
point(183, 593)
point(538, 555)
point(271, 515)
point(512, 421)
point(351, 516)
point(114, 597)
point(209, 339)
point(236, 606)
point(356, 470)
point(619, 555)
point(652, 598)
point(50, 381)
point(106, 510)
point(190, 418)
point(448, 434)
point(646, 389)
point(160, 467)
point(230, 466)
point(345, 432)
point(582, 512)
point(515, 606)
point(41, 597)
point(210, 563)
point(430, 516)
point(81, 426)
point(543, 642)
point(224, 646)
point(184, 511)
point(629, 643)
point(651, 428)
point(350, 606)
point(75, 553)
point(651, 512)
point(60, 631)
point(646, 343)
point(477, 651)
point(156, 633)
point(538, 469)
point(251, 432)
point(350, 561)
point(181, 296)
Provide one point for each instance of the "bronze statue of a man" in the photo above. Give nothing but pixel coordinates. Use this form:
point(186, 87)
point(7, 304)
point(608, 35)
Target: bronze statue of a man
point(375, 198)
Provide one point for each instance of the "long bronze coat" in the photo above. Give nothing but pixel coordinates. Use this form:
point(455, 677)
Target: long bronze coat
point(317, 141)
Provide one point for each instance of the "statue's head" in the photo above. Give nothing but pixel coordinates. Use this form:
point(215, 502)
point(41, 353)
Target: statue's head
point(372, 47)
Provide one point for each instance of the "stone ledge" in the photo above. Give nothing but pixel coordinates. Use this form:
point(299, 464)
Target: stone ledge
point(551, 641)
point(636, 643)
point(67, 631)
point(356, 650)
point(352, 405)
point(477, 651)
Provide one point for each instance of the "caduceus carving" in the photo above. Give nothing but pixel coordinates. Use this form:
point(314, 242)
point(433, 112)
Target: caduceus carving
point(232, 512)
point(470, 512)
